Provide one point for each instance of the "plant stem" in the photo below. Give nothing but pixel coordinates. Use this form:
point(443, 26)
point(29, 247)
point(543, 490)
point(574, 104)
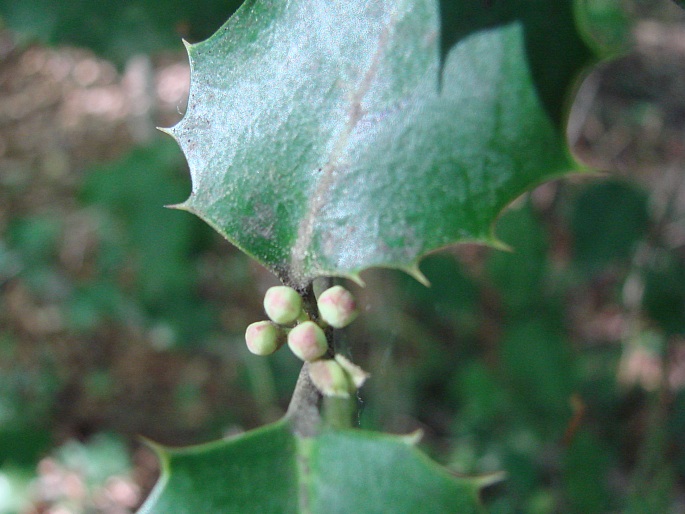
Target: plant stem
point(338, 412)
point(305, 405)
point(303, 411)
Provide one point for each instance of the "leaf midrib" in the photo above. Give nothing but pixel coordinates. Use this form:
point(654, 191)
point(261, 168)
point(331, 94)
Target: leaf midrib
point(305, 231)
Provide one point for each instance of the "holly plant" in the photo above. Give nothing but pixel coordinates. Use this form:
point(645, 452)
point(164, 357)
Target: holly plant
point(325, 138)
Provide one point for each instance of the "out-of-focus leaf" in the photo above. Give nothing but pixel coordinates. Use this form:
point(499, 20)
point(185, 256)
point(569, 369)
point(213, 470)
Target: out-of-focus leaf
point(134, 189)
point(677, 431)
point(519, 273)
point(23, 446)
point(482, 400)
point(154, 243)
point(585, 474)
point(117, 30)
point(605, 24)
point(452, 295)
point(664, 295)
point(540, 370)
point(608, 219)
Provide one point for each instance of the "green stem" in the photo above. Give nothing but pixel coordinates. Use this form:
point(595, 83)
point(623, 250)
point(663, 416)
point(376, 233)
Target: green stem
point(307, 407)
point(338, 412)
point(303, 411)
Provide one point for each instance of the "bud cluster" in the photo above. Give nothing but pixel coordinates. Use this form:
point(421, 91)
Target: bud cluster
point(306, 338)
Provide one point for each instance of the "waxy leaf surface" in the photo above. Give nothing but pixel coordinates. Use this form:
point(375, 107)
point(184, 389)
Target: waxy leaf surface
point(325, 138)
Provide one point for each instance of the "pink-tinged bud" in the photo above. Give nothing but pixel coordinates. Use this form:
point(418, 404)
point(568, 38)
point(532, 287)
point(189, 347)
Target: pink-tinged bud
point(337, 307)
point(282, 304)
point(330, 378)
point(264, 337)
point(357, 375)
point(308, 341)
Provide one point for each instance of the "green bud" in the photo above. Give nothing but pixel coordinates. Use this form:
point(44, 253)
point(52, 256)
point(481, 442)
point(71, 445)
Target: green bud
point(330, 378)
point(282, 304)
point(308, 341)
point(264, 337)
point(357, 375)
point(337, 307)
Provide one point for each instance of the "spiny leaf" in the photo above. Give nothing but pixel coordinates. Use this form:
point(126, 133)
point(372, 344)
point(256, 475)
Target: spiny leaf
point(271, 470)
point(326, 138)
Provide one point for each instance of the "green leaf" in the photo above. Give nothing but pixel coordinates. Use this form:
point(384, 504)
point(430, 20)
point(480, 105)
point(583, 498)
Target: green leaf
point(520, 274)
point(586, 467)
point(664, 294)
point(117, 30)
point(157, 246)
point(540, 370)
point(608, 221)
point(272, 470)
point(605, 25)
point(324, 139)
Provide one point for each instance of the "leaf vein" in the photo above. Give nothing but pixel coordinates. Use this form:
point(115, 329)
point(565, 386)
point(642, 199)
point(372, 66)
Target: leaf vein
point(318, 199)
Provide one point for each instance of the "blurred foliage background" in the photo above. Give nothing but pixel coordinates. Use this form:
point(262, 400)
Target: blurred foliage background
point(561, 362)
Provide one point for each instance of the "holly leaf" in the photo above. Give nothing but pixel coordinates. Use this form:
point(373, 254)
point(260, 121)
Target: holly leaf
point(272, 470)
point(605, 25)
point(326, 138)
point(116, 30)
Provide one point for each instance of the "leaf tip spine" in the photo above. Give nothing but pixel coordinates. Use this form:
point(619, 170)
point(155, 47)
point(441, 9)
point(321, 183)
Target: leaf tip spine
point(415, 272)
point(488, 479)
point(161, 451)
point(412, 438)
point(357, 279)
point(183, 206)
point(498, 244)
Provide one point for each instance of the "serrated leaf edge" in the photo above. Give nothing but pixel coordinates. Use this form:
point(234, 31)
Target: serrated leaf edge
point(303, 449)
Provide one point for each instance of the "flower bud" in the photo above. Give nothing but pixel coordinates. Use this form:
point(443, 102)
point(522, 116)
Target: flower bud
point(357, 375)
point(308, 341)
point(337, 307)
point(282, 304)
point(330, 378)
point(264, 337)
